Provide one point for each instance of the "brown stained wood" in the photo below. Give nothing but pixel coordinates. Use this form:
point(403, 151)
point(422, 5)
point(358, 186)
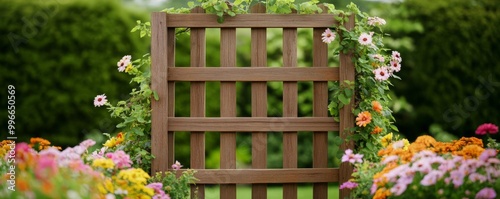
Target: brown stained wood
point(290, 108)
point(228, 109)
point(171, 94)
point(347, 72)
point(259, 101)
point(253, 73)
point(252, 176)
point(320, 109)
point(250, 124)
point(253, 21)
point(198, 59)
point(159, 83)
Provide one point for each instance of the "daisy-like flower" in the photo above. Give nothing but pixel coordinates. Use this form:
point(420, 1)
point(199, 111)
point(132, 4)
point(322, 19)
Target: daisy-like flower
point(328, 36)
point(378, 57)
point(363, 118)
point(487, 128)
point(348, 185)
point(381, 74)
point(376, 21)
point(376, 106)
point(396, 56)
point(395, 66)
point(177, 165)
point(365, 39)
point(124, 62)
point(100, 100)
point(349, 156)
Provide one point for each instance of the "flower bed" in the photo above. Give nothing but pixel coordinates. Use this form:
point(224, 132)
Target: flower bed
point(44, 171)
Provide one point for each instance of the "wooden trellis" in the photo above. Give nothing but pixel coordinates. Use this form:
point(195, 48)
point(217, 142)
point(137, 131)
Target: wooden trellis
point(164, 122)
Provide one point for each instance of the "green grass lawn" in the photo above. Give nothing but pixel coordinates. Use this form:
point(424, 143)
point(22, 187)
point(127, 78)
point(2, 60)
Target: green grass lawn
point(273, 192)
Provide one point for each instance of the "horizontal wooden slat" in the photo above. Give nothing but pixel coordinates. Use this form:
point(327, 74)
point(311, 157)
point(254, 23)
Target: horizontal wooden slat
point(249, 124)
point(255, 20)
point(252, 176)
point(253, 74)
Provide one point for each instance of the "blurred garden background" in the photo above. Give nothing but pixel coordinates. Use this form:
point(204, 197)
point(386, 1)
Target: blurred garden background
point(60, 54)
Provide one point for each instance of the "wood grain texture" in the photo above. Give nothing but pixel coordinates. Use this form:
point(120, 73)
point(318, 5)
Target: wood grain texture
point(259, 101)
point(253, 21)
point(228, 109)
point(171, 95)
point(290, 92)
point(253, 176)
point(252, 124)
point(320, 109)
point(159, 83)
point(347, 72)
point(254, 73)
point(198, 59)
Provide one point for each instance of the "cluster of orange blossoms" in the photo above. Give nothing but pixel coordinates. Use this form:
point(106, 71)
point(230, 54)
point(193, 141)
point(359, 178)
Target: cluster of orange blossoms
point(364, 118)
point(41, 144)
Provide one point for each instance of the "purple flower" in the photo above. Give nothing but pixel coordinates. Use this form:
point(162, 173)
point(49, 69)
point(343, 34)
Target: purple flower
point(349, 156)
point(177, 165)
point(486, 193)
point(348, 185)
point(487, 128)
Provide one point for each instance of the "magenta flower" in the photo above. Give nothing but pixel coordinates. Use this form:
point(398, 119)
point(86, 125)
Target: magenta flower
point(487, 128)
point(120, 158)
point(486, 193)
point(349, 156)
point(177, 165)
point(348, 185)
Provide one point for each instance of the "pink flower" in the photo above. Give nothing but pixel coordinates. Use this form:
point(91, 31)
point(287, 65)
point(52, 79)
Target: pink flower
point(348, 185)
point(396, 56)
point(431, 178)
point(87, 143)
point(381, 74)
point(365, 39)
point(373, 188)
point(487, 153)
point(123, 63)
point(349, 156)
point(398, 189)
point(376, 21)
point(473, 177)
point(120, 158)
point(46, 167)
point(100, 100)
point(389, 159)
point(159, 193)
point(177, 165)
point(487, 128)
point(395, 66)
point(328, 36)
point(378, 57)
point(486, 193)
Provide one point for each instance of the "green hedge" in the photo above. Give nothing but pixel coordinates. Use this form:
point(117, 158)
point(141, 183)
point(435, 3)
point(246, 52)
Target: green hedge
point(452, 75)
point(59, 55)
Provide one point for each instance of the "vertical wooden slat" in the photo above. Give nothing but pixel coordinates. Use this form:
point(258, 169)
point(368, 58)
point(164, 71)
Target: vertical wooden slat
point(171, 95)
point(320, 109)
point(290, 108)
point(259, 102)
point(159, 118)
point(198, 59)
point(346, 72)
point(228, 109)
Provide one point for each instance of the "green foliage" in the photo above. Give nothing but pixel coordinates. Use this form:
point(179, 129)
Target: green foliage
point(451, 77)
point(58, 55)
point(176, 187)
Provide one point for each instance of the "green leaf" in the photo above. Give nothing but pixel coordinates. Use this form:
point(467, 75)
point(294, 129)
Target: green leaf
point(344, 99)
point(155, 95)
point(190, 4)
point(348, 92)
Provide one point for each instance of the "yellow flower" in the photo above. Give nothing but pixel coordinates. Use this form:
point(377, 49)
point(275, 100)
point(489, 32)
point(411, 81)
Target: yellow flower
point(103, 163)
point(407, 144)
point(386, 140)
point(363, 118)
point(376, 106)
point(136, 183)
point(106, 186)
point(129, 68)
point(114, 141)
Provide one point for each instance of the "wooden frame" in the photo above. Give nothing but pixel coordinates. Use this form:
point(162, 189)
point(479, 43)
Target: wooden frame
point(164, 122)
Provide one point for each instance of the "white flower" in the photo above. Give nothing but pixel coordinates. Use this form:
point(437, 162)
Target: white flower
point(395, 66)
point(396, 56)
point(375, 21)
point(365, 39)
point(100, 100)
point(123, 63)
point(328, 36)
point(381, 74)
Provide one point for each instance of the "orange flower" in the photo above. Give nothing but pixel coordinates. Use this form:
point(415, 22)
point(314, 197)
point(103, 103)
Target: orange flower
point(377, 130)
point(363, 118)
point(376, 106)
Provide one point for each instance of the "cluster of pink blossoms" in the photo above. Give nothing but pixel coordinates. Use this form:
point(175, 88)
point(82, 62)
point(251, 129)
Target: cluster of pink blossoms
point(455, 172)
point(383, 73)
